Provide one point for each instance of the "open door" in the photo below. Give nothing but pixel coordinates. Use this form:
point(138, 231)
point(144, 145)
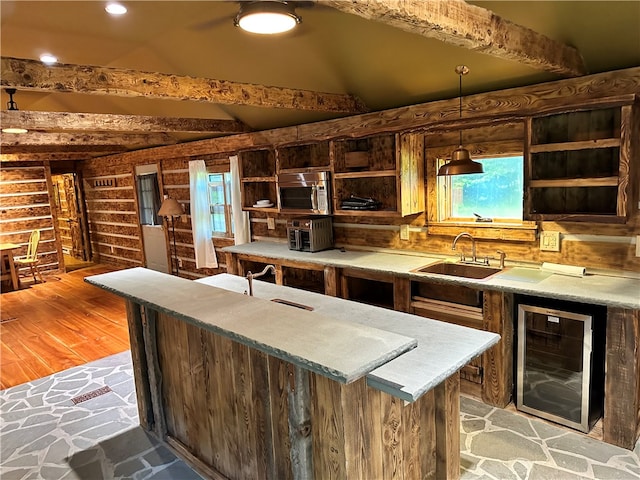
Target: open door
point(154, 238)
point(71, 226)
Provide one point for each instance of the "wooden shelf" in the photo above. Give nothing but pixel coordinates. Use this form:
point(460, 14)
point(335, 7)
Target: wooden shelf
point(370, 213)
point(366, 174)
point(575, 182)
point(577, 165)
point(570, 146)
point(258, 179)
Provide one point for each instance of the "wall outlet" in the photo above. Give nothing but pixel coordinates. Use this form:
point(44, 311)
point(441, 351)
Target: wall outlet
point(637, 245)
point(550, 241)
point(404, 232)
point(271, 223)
point(180, 262)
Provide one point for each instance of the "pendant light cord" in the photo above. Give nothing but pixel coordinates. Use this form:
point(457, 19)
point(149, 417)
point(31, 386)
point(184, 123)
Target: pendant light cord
point(460, 96)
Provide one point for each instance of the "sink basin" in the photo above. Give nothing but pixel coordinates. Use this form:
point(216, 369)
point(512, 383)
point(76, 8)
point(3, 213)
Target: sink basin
point(459, 270)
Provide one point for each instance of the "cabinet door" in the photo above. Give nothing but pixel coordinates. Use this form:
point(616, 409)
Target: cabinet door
point(411, 173)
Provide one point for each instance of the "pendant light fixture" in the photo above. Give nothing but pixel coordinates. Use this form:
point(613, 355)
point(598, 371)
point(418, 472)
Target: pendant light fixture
point(460, 163)
point(267, 17)
point(12, 106)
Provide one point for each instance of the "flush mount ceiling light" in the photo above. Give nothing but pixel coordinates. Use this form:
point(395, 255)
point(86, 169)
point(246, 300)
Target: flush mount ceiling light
point(48, 58)
point(460, 163)
point(113, 8)
point(267, 17)
point(11, 105)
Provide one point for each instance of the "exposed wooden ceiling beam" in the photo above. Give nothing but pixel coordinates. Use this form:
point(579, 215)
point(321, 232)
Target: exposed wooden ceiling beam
point(106, 122)
point(131, 140)
point(34, 75)
point(42, 157)
point(468, 26)
point(93, 150)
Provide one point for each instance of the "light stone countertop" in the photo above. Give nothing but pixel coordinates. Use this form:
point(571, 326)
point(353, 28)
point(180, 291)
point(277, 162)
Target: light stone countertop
point(443, 348)
point(598, 287)
point(342, 351)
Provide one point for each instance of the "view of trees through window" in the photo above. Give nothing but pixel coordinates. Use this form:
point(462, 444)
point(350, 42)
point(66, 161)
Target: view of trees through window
point(220, 204)
point(497, 193)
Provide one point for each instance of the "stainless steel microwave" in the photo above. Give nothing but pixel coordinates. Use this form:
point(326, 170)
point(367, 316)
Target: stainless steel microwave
point(304, 192)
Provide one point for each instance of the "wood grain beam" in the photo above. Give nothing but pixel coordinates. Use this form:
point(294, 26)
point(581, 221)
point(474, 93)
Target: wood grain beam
point(41, 157)
point(503, 104)
point(458, 23)
point(106, 122)
point(34, 75)
point(48, 149)
point(38, 138)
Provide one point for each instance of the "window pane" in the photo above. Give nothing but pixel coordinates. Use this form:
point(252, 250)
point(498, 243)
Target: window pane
point(219, 203)
point(496, 193)
point(149, 199)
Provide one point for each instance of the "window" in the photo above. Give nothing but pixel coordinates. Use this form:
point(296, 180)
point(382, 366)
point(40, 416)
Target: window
point(149, 199)
point(496, 194)
point(220, 204)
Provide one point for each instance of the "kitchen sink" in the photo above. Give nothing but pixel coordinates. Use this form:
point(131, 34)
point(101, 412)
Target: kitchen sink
point(459, 270)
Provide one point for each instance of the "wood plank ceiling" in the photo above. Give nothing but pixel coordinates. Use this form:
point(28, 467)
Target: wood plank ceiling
point(176, 71)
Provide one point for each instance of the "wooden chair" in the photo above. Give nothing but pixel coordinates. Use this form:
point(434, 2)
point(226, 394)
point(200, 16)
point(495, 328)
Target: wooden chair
point(31, 258)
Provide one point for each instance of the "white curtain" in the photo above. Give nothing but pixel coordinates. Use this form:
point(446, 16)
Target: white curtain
point(241, 227)
point(201, 216)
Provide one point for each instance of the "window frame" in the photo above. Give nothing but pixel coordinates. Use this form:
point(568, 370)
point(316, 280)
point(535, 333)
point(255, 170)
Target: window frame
point(228, 214)
point(443, 201)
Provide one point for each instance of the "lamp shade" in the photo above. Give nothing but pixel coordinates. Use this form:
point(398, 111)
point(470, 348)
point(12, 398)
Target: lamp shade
point(170, 208)
point(266, 17)
point(460, 164)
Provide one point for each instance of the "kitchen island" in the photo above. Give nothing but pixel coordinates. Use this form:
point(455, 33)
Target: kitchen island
point(246, 387)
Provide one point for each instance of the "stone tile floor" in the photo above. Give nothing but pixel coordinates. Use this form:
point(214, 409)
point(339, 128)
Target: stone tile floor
point(45, 435)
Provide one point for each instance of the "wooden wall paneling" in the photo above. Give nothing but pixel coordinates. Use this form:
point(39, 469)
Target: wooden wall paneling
point(279, 404)
point(260, 399)
point(447, 414)
point(497, 362)
point(140, 370)
point(329, 455)
point(149, 333)
point(621, 424)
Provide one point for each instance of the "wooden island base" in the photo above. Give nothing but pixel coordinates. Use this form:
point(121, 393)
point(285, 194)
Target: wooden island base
point(234, 412)
point(243, 387)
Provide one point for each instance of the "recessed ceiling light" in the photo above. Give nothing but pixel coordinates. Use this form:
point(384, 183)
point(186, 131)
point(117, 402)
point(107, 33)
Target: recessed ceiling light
point(115, 9)
point(48, 58)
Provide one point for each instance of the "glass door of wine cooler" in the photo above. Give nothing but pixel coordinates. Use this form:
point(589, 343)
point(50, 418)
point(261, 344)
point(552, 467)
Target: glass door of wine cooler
point(554, 365)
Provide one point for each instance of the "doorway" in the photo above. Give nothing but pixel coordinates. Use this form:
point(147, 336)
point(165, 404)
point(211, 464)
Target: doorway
point(154, 238)
point(76, 248)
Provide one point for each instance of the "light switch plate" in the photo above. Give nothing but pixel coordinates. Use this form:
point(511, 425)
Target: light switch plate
point(271, 223)
point(550, 241)
point(404, 232)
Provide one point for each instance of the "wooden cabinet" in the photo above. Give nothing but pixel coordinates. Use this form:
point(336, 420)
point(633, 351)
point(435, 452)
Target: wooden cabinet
point(577, 165)
point(490, 375)
point(307, 157)
point(386, 168)
point(258, 178)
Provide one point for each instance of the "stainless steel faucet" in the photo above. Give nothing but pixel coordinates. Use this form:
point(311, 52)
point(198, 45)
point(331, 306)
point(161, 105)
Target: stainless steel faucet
point(473, 245)
point(251, 276)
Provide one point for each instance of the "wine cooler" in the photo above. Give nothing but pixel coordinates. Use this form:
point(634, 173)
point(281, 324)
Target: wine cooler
point(560, 375)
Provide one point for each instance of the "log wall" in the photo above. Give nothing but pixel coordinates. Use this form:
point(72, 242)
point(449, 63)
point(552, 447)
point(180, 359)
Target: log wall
point(25, 205)
point(110, 190)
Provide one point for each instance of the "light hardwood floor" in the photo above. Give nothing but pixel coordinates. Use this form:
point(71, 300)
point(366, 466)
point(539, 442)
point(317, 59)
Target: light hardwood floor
point(58, 324)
